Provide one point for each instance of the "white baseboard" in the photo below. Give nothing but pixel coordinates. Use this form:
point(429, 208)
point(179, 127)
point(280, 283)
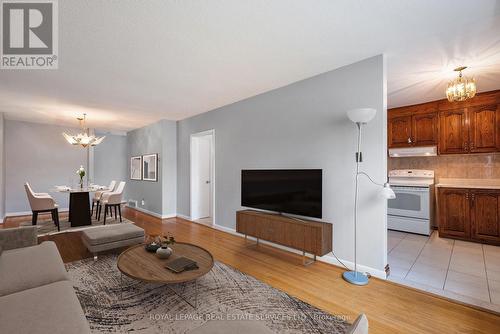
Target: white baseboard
point(154, 214)
point(184, 217)
point(327, 258)
point(28, 213)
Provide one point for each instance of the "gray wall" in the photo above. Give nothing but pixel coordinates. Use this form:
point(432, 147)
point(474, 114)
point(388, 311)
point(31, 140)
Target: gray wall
point(2, 169)
point(303, 125)
point(160, 137)
point(38, 154)
point(110, 160)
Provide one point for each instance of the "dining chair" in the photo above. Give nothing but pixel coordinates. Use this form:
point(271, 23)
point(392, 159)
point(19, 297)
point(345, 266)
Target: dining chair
point(97, 198)
point(42, 202)
point(112, 200)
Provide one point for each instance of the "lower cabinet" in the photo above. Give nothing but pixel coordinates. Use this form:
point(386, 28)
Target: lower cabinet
point(469, 214)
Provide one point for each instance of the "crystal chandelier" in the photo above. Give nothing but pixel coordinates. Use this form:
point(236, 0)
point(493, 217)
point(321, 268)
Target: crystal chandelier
point(83, 139)
point(462, 88)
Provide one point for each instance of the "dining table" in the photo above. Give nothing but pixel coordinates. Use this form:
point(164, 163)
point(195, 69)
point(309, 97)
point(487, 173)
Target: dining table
point(79, 203)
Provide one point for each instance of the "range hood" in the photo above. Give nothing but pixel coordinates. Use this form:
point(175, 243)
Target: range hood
point(422, 151)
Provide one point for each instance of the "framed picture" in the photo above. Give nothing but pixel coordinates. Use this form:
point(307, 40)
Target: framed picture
point(150, 167)
point(136, 168)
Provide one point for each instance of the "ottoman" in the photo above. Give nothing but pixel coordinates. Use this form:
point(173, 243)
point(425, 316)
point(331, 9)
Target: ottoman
point(108, 237)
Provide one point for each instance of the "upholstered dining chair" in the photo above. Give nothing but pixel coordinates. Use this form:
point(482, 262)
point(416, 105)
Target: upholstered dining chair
point(97, 198)
point(42, 202)
point(112, 200)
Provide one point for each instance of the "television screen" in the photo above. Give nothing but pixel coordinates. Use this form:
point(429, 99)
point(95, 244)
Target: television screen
point(294, 191)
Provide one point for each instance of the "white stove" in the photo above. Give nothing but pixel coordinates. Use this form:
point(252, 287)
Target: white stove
point(411, 177)
point(413, 208)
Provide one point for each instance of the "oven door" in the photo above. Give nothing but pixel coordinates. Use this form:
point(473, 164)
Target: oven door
point(410, 202)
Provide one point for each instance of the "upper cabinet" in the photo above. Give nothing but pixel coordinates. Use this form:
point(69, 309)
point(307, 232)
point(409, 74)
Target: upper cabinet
point(471, 126)
point(470, 130)
point(454, 136)
point(484, 133)
point(425, 129)
point(399, 131)
point(413, 126)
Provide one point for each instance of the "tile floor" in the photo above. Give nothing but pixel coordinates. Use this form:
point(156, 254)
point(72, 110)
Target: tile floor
point(466, 271)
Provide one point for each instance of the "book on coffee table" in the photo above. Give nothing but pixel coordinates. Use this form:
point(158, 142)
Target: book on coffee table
point(181, 264)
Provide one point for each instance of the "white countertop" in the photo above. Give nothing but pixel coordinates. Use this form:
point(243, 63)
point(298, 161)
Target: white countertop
point(469, 183)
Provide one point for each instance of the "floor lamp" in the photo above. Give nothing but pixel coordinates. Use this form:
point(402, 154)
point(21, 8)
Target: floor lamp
point(360, 117)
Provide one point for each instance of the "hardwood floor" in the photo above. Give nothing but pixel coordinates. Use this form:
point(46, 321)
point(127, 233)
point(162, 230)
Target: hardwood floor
point(390, 308)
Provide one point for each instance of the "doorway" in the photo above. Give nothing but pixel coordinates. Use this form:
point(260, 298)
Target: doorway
point(203, 177)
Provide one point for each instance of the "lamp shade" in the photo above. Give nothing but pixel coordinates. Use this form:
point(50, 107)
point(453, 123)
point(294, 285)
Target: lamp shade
point(361, 115)
point(387, 192)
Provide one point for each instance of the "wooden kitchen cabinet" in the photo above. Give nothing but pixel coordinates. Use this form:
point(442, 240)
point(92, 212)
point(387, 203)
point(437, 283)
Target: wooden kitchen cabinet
point(485, 212)
point(471, 126)
point(399, 131)
point(484, 132)
point(469, 214)
point(454, 135)
point(454, 215)
point(425, 129)
point(412, 130)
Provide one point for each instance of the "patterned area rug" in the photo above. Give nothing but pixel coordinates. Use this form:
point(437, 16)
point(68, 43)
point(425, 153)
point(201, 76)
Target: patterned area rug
point(118, 304)
point(46, 226)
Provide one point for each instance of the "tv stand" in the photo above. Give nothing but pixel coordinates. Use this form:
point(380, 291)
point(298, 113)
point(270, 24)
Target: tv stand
point(308, 236)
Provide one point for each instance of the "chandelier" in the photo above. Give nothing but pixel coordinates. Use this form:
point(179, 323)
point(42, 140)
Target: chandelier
point(83, 139)
point(462, 88)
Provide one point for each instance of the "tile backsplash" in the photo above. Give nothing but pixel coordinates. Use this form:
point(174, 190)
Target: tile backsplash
point(473, 166)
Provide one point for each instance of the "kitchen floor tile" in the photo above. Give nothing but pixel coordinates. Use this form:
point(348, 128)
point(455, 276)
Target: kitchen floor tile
point(494, 291)
point(472, 265)
point(428, 275)
point(467, 285)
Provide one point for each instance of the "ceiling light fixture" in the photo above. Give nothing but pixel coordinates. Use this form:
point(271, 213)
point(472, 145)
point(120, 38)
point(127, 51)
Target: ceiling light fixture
point(83, 139)
point(462, 88)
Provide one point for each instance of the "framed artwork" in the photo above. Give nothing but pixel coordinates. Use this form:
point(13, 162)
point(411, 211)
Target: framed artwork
point(136, 168)
point(150, 167)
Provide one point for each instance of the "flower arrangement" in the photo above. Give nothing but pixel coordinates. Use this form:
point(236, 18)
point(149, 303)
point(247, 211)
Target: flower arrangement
point(81, 173)
point(166, 240)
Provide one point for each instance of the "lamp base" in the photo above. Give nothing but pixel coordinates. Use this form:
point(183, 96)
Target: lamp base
point(355, 277)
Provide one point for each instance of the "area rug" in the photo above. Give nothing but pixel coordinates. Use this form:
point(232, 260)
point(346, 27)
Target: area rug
point(45, 225)
point(117, 304)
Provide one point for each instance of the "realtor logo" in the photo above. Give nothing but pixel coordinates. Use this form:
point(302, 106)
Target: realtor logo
point(29, 34)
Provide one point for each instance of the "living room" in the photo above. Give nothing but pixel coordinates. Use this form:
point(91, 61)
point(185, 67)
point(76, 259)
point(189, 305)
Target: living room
point(195, 167)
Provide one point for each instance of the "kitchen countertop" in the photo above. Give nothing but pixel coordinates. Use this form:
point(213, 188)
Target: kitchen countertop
point(469, 183)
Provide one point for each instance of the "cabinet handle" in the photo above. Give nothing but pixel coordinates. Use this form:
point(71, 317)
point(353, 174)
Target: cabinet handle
point(467, 196)
point(473, 197)
point(466, 146)
point(471, 145)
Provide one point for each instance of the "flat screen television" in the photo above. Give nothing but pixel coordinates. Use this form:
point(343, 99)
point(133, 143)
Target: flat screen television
point(294, 191)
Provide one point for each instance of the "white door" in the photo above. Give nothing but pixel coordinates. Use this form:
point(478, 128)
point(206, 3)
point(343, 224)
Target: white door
point(201, 175)
point(203, 179)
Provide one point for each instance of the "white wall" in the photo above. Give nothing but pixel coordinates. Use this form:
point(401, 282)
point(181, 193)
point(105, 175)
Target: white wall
point(304, 125)
point(2, 169)
point(110, 160)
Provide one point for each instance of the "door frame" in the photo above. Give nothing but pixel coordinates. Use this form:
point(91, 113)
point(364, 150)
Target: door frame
point(212, 171)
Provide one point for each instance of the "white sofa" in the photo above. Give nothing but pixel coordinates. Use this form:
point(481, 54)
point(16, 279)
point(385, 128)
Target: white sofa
point(36, 294)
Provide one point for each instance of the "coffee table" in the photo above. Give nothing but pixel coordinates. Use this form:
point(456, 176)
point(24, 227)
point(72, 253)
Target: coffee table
point(137, 263)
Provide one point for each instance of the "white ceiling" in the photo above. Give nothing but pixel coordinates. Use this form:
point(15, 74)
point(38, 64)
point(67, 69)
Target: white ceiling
point(129, 63)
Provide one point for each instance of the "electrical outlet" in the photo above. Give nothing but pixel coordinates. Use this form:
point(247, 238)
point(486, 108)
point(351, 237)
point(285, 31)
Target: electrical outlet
point(143, 202)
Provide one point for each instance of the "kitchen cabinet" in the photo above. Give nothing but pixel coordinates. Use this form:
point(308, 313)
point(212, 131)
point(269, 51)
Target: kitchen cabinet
point(470, 130)
point(469, 214)
point(484, 133)
point(399, 131)
point(412, 130)
point(454, 135)
point(466, 127)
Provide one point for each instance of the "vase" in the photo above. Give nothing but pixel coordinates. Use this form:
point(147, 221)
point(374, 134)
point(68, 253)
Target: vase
point(164, 252)
point(81, 183)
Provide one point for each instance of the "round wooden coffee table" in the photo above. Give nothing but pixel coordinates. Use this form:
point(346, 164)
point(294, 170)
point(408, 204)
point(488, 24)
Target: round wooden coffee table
point(137, 263)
